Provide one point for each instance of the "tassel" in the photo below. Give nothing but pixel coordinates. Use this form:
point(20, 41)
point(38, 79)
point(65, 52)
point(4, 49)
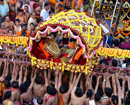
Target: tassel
point(31, 42)
point(59, 32)
point(38, 35)
point(48, 31)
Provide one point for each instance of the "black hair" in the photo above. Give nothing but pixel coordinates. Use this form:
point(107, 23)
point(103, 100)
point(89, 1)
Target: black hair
point(89, 93)
point(39, 20)
point(10, 30)
point(51, 90)
point(129, 94)
point(116, 42)
point(97, 97)
point(7, 94)
point(7, 83)
point(78, 92)
point(46, 4)
point(17, 20)
point(15, 84)
point(60, 5)
point(20, 10)
point(7, 16)
point(103, 61)
point(114, 62)
point(102, 18)
point(23, 88)
point(39, 80)
point(39, 100)
point(108, 91)
point(55, 34)
point(72, 40)
point(50, 12)
point(22, 25)
point(8, 77)
point(114, 99)
point(26, 6)
point(127, 64)
point(27, 83)
point(64, 88)
point(32, 24)
point(61, 0)
point(98, 16)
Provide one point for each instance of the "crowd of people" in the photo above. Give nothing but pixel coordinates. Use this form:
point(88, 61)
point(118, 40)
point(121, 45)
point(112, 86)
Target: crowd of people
point(23, 84)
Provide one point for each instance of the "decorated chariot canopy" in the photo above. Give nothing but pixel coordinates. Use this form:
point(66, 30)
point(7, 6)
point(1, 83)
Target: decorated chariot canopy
point(84, 37)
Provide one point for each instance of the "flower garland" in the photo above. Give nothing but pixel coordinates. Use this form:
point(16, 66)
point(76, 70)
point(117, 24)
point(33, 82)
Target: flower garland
point(116, 53)
point(45, 64)
point(18, 40)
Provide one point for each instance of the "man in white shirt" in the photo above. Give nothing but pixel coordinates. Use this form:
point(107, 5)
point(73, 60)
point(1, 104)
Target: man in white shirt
point(45, 12)
point(31, 20)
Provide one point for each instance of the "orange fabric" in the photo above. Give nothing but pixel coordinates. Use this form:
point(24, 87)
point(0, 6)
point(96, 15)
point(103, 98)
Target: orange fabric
point(53, 2)
point(73, 4)
point(61, 4)
point(12, 13)
point(71, 45)
point(20, 32)
point(11, 26)
point(78, 54)
point(2, 88)
point(1, 31)
point(80, 3)
point(44, 51)
point(37, 16)
point(61, 100)
point(12, 1)
point(9, 102)
point(23, 18)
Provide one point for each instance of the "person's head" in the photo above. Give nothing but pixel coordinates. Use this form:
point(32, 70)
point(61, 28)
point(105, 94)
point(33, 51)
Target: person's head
point(26, 8)
point(78, 92)
point(114, 100)
point(33, 15)
point(32, 26)
point(128, 65)
point(98, 17)
point(2, 25)
point(15, 84)
point(103, 62)
point(60, 6)
point(102, 20)
point(37, 1)
point(39, 80)
point(46, 6)
point(52, 35)
point(20, 12)
point(10, 32)
point(39, 100)
point(23, 88)
point(89, 93)
point(114, 62)
point(27, 83)
point(23, 27)
point(7, 94)
point(50, 13)
point(126, 39)
point(39, 20)
point(7, 84)
point(64, 88)
point(1, 1)
point(97, 97)
point(17, 22)
point(116, 42)
point(8, 77)
point(73, 40)
point(7, 19)
point(128, 94)
point(51, 90)
point(85, 8)
point(108, 91)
